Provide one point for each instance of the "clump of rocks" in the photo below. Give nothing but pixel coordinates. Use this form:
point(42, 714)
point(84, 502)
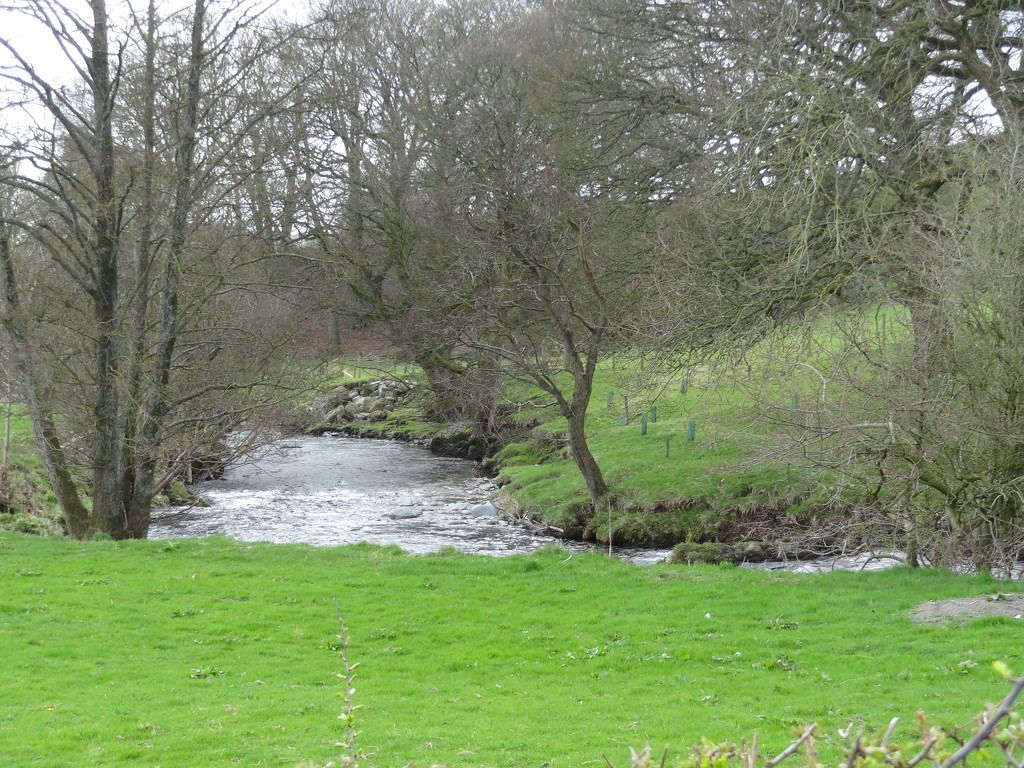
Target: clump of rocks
point(368, 401)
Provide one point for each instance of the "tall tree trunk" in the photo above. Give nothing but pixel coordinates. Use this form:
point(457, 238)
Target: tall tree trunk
point(582, 362)
point(582, 365)
point(108, 501)
point(446, 381)
point(157, 406)
point(133, 480)
point(77, 519)
point(333, 335)
point(597, 488)
point(5, 476)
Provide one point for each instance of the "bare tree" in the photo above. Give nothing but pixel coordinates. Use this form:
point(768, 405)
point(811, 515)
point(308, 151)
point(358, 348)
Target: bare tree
point(548, 251)
point(128, 163)
point(372, 234)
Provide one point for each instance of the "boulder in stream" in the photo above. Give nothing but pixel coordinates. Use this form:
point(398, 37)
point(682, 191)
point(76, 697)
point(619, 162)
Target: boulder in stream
point(484, 510)
point(405, 513)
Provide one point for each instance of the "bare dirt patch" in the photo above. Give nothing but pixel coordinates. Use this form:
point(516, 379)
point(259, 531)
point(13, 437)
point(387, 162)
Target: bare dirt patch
point(942, 612)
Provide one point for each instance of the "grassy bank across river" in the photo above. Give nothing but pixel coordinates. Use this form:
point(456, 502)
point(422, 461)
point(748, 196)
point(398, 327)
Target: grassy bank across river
point(213, 652)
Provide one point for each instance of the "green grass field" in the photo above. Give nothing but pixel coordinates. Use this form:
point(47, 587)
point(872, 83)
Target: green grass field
point(211, 652)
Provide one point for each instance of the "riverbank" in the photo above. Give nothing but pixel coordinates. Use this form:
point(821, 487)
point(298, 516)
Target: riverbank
point(701, 496)
point(215, 652)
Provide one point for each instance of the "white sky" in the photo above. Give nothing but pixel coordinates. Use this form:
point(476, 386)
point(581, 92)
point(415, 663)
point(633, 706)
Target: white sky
point(34, 41)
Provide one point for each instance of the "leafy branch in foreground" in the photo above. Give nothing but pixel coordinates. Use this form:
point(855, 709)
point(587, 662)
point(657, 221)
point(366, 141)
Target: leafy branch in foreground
point(1000, 726)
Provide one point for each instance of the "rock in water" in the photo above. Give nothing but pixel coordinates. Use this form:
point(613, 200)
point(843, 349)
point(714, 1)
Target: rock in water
point(405, 513)
point(484, 510)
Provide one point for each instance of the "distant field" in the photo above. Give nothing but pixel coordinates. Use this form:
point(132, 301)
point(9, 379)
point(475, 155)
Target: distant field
point(211, 652)
point(640, 425)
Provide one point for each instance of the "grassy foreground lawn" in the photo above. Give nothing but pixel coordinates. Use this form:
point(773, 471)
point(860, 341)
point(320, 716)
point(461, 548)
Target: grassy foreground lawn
point(211, 652)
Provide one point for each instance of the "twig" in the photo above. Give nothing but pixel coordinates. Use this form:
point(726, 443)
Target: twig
point(998, 714)
point(1010, 759)
point(792, 748)
point(888, 731)
point(348, 675)
point(751, 756)
point(925, 751)
point(854, 751)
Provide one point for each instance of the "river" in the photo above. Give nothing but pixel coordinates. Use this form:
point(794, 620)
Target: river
point(334, 490)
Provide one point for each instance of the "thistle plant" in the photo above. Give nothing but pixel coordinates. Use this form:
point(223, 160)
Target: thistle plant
point(348, 710)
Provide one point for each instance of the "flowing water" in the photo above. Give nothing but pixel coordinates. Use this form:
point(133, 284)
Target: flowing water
point(868, 561)
point(341, 490)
